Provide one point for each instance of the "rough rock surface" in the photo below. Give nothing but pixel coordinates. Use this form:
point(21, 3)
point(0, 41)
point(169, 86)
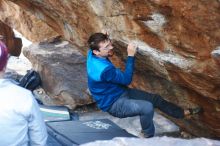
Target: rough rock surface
point(62, 70)
point(176, 41)
point(14, 44)
point(26, 23)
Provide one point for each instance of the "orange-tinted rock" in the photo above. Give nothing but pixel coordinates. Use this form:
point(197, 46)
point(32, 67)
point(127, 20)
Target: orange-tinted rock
point(26, 23)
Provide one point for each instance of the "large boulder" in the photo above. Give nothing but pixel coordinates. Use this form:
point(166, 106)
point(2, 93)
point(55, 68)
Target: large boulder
point(62, 70)
point(176, 40)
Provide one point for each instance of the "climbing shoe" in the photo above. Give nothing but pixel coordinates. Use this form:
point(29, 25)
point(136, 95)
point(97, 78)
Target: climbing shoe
point(196, 110)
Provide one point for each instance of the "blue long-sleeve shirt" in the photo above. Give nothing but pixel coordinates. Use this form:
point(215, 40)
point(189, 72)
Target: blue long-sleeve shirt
point(106, 82)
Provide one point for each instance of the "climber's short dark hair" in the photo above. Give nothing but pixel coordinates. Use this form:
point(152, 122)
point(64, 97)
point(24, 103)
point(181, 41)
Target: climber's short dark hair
point(95, 39)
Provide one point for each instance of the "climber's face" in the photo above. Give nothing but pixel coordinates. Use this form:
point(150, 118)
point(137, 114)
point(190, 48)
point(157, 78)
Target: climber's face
point(105, 49)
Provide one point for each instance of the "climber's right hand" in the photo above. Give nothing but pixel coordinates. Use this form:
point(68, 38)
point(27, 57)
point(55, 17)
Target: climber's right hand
point(131, 49)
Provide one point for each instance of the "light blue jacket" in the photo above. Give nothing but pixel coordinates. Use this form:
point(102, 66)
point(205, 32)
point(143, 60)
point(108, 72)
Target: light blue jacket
point(21, 123)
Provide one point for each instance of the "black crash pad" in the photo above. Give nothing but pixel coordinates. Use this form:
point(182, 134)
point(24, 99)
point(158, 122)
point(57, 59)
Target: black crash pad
point(80, 132)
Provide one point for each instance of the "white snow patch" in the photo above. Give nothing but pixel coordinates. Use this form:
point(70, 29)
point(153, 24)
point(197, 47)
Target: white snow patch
point(162, 124)
point(155, 141)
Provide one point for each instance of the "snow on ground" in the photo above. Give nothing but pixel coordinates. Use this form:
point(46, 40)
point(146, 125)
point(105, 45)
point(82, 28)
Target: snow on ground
point(155, 141)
